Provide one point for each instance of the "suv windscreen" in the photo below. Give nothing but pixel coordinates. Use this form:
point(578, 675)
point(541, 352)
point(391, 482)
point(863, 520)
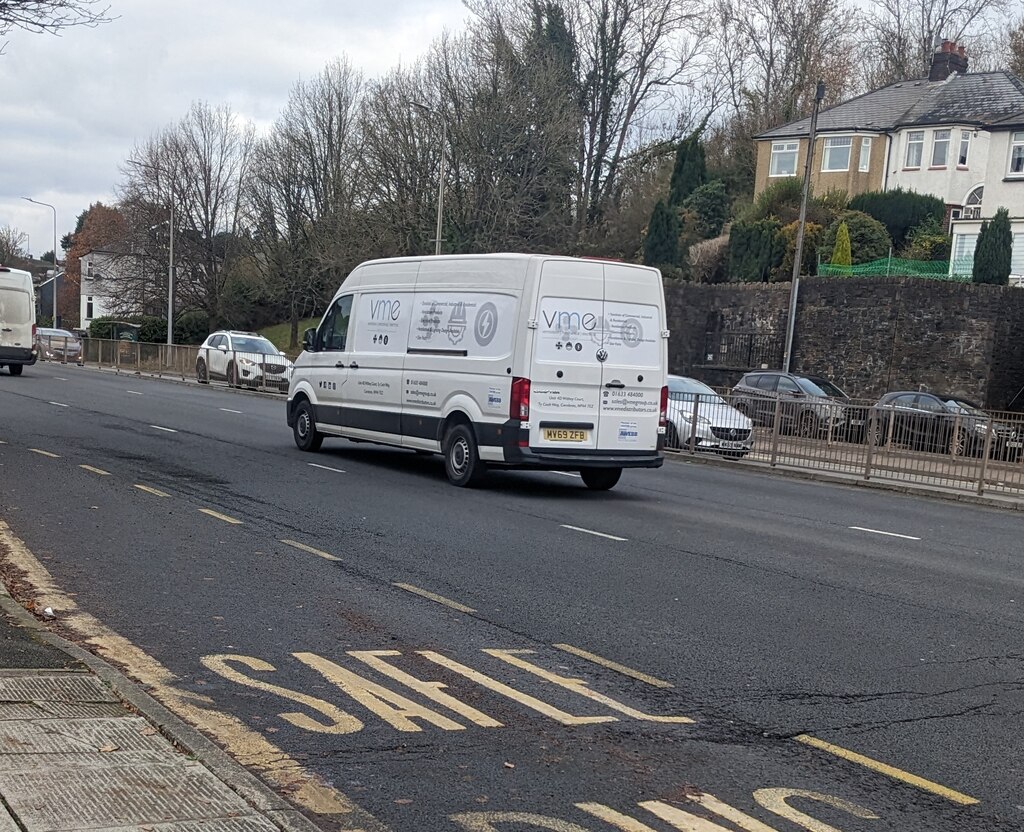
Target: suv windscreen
point(961, 406)
point(820, 387)
point(258, 345)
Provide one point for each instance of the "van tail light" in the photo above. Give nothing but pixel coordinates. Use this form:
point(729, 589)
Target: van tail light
point(520, 407)
point(663, 413)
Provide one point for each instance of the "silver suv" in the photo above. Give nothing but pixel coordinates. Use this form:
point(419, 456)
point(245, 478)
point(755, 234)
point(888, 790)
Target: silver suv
point(808, 404)
point(242, 359)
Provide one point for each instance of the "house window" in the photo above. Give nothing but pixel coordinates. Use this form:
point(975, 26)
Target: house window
point(88, 308)
point(865, 155)
point(88, 268)
point(1017, 154)
point(940, 148)
point(972, 205)
point(963, 253)
point(1017, 257)
point(783, 159)
point(837, 154)
point(915, 148)
point(965, 148)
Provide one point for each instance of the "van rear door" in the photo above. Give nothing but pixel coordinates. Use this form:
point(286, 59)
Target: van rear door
point(15, 317)
point(634, 359)
point(566, 373)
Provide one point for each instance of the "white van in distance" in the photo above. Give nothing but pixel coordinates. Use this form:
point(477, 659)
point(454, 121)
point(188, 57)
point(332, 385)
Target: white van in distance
point(17, 320)
point(502, 360)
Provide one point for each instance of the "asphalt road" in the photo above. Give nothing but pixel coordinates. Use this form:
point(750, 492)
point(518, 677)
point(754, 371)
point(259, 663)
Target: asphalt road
point(760, 608)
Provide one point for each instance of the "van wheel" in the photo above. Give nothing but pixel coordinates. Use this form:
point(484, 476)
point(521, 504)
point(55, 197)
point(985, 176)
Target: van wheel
point(16, 369)
point(461, 459)
point(600, 479)
point(307, 437)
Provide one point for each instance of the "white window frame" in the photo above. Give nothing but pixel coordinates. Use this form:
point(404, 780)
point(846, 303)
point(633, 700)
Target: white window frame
point(915, 138)
point(941, 137)
point(843, 142)
point(89, 307)
point(780, 149)
point(1016, 141)
point(965, 150)
point(864, 164)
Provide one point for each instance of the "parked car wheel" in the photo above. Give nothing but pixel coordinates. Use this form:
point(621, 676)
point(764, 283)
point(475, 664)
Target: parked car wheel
point(957, 443)
point(462, 461)
point(808, 426)
point(307, 437)
point(600, 479)
point(671, 437)
point(202, 375)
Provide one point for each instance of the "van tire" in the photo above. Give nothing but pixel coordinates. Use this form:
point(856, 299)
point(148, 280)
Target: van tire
point(461, 458)
point(307, 437)
point(16, 369)
point(600, 479)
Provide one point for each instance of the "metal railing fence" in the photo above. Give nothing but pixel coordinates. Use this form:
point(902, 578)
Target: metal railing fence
point(960, 449)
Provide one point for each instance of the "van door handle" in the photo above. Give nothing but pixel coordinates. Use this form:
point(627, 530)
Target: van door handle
point(616, 385)
point(340, 365)
point(7, 329)
point(353, 366)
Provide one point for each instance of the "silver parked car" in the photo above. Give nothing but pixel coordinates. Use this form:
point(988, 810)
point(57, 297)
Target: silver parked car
point(720, 426)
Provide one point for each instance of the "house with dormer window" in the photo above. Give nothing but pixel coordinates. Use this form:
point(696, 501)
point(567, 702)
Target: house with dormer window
point(956, 135)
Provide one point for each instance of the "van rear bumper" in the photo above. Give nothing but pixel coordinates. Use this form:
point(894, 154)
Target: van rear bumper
point(547, 460)
point(17, 355)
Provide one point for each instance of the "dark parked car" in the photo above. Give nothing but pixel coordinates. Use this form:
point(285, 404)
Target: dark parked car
point(58, 345)
point(809, 404)
point(926, 421)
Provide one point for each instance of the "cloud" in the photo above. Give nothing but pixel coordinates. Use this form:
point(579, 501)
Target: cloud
point(74, 106)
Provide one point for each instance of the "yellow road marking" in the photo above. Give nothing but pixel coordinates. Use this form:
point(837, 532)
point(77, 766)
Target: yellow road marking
point(578, 686)
point(99, 471)
point(440, 599)
point(156, 492)
point(219, 516)
point(888, 771)
point(249, 747)
point(618, 668)
point(304, 548)
point(513, 694)
point(44, 453)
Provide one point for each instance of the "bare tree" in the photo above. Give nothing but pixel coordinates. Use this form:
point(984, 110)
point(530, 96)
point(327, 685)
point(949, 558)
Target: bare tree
point(905, 33)
point(50, 16)
point(12, 244)
point(198, 166)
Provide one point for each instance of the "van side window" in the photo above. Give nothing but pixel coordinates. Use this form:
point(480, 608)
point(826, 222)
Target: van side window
point(333, 333)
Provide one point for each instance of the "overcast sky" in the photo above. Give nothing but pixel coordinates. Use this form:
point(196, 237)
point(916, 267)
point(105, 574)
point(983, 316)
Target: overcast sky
point(72, 107)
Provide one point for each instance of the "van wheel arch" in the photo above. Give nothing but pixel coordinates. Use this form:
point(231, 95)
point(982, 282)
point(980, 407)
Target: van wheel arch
point(456, 417)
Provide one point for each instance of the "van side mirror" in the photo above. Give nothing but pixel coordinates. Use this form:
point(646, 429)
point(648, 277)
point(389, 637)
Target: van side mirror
point(309, 340)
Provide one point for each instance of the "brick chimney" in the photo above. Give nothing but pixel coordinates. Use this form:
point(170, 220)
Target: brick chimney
point(948, 58)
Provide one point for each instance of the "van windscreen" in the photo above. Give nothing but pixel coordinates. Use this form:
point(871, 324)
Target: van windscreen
point(15, 307)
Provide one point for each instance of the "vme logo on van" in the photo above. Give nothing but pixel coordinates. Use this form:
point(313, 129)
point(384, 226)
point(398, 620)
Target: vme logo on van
point(385, 309)
point(566, 321)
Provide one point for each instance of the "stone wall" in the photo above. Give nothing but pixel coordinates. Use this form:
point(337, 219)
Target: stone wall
point(869, 335)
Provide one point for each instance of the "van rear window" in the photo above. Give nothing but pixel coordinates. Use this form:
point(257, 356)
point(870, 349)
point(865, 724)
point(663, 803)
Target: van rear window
point(15, 307)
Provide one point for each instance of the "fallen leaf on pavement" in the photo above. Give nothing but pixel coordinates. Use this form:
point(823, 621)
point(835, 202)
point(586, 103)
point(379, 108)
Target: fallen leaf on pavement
point(510, 765)
point(106, 749)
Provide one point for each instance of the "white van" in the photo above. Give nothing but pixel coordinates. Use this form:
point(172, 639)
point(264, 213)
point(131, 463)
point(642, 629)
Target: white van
point(17, 320)
point(504, 360)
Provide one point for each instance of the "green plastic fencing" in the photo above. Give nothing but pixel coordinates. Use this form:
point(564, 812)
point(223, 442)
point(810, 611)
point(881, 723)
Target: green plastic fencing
point(898, 267)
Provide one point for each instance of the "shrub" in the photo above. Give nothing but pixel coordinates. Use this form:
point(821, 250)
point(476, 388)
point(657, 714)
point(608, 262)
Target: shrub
point(781, 199)
point(812, 238)
point(661, 247)
point(841, 251)
point(994, 251)
point(868, 237)
point(706, 260)
point(927, 242)
point(709, 205)
point(755, 250)
point(191, 327)
point(689, 171)
point(152, 330)
point(899, 211)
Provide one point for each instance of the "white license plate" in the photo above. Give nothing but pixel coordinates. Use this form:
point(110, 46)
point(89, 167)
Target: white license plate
point(731, 445)
point(1015, 444)
point(566, 435)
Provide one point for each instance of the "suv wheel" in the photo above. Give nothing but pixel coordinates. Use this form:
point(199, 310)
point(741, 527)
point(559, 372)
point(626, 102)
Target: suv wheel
point(202, 376)
point(671, 437)
point(808, 426)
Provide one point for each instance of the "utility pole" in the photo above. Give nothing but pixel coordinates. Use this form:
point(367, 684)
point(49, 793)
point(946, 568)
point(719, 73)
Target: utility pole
point(441, 174)
point(794, 289)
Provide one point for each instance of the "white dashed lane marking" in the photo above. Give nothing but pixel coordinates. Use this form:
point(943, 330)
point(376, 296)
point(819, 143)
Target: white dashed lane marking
point(166, 430)
point(887, 534)
point(595, 534)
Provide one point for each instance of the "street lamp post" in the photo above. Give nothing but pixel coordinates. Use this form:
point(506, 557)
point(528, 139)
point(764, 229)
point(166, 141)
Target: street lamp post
point(56, 323)
point(798, 254)
point(170, 255)
point(440, 181)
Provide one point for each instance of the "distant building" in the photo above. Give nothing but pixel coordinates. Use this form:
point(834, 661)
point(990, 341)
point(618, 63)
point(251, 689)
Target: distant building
point(956, 135)
point(98, 285)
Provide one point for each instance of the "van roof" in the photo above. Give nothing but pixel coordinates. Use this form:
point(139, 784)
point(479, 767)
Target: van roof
point(507, 255)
